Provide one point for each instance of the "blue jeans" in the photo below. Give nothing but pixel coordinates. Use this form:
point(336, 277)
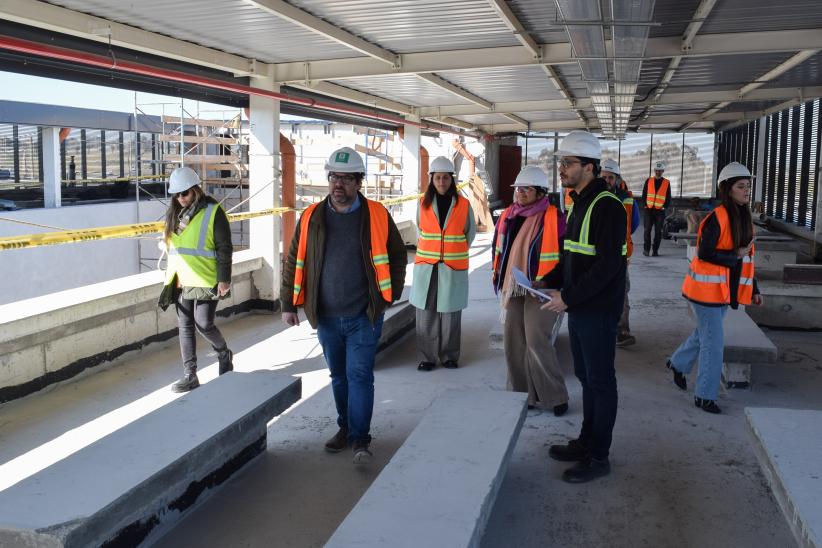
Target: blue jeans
point(706, 343)
point(349, 346)
point(593, 345)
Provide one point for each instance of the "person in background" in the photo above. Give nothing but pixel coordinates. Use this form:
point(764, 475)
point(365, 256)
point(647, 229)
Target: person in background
point(721, 275)
point(197, 237)
point(527, 237)
point(345, 266)
point(611, 174)
point(439, 290)
point(656, 195)
point(592, 266)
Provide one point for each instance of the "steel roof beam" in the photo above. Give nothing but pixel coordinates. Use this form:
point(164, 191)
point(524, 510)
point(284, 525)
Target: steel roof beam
point(514, 24)
point(74, 23)
point(340, 92)
point(705, 45)
point(295, 15)
point(456, 90)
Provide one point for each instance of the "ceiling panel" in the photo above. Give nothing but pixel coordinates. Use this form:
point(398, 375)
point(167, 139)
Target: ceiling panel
point(735, 70)
point(505, 84)
point(404, 88)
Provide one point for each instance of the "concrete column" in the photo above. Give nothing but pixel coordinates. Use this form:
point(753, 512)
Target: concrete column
point(51, 167)
point(761, 140)
point(410, 168)
point(264, 186)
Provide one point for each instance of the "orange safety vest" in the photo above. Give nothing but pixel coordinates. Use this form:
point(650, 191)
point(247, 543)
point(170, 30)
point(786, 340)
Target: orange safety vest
point(569, 202)
point(655, 198)
point(548, 251)
point(710, 283)
point(378, 216)
point(628, 204)
point(448, 245)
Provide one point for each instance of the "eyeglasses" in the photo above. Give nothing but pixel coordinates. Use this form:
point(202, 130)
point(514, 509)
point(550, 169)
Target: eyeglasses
point(565, 162)
point(609, 177)
point(524, 189)
point(345, 178)
point(182, 194)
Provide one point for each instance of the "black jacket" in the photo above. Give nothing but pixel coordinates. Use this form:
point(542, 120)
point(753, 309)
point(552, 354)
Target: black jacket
point(315, 248)
point(595, 282)
point(707, 251)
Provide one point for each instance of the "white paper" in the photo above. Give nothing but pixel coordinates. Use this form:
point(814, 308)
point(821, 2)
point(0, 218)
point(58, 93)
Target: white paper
point(522, 280)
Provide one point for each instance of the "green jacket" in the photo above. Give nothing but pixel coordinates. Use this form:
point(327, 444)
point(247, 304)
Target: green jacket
point(315, 248)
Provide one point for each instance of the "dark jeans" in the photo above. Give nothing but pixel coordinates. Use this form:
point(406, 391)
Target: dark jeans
point(593, 343)
point(653, 218)
point(200, 315)
point(349, 346)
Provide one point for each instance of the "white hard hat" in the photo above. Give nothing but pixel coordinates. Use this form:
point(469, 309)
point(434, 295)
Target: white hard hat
point(441, 164)
point(659, 166)
point(610, 165)
point(345, 160)
point(581, 144)
point(182, 179)
point(734, 169)
point(531, 176)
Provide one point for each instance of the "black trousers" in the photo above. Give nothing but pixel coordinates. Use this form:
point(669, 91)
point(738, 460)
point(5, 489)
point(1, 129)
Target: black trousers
point(593, 345)
point(653, 218)
point(200, 315)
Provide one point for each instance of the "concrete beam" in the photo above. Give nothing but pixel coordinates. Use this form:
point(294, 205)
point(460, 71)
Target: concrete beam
point(552, 54)
point(50, 17)
point(51, 167)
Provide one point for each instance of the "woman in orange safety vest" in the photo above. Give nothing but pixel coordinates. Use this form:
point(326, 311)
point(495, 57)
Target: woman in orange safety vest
point(528, 238)
point(721, 275)
point(439, 290)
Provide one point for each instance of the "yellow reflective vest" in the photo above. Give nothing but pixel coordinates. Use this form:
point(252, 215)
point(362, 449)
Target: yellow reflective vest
point(192, 255)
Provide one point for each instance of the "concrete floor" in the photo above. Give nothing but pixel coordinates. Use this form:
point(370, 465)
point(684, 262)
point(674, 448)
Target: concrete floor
point(681, 477)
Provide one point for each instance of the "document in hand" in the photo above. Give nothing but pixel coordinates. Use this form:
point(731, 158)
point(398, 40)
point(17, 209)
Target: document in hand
point(523, 281)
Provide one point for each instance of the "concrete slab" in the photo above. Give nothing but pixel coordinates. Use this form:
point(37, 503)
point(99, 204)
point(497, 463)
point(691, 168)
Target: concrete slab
point(787, 444)
point(439, 488)
point(744, 341)
point(793, 306)
point(129, 486)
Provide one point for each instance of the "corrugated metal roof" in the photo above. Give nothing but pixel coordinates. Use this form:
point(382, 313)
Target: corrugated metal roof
point(688, 108)
point(674, 16)
point(808, 73)
point(485, 119)
point(404, 26)
point(505, 84)
point(539, 17)
point(227, 25)
point(763, 15)
point(405, 88)
point(725, 69)
point(549, 116)
point(750, 106)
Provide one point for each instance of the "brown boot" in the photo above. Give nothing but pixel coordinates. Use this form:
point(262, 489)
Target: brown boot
point(338, 442)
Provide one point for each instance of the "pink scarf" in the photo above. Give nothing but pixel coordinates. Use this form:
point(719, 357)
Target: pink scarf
point(516, 210)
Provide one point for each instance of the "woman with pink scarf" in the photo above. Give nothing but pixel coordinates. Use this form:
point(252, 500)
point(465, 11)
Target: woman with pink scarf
point(528, 237)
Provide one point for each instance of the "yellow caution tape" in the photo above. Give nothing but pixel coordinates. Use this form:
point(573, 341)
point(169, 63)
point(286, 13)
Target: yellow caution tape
point(127, 231)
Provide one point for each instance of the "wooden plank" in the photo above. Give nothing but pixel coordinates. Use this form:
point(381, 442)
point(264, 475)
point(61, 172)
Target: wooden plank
point(201, 140)
point(373, 133)
point(810, 274)
point(199, 158)
point(234, 123)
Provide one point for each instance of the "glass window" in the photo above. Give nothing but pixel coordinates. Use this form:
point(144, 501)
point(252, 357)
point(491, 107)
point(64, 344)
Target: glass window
point(635, 161)
point(698, 176)
point(668, 150)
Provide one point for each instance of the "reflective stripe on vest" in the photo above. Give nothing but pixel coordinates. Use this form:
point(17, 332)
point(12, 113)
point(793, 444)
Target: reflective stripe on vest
point(378, 221)
point(448, 245)
point(709, 283)
point(582, 246)
point(655, 198)
point(192, 254)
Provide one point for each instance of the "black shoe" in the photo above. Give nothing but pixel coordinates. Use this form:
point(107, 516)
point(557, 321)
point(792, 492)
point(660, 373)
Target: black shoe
point(646, 252)
point(362, 455)
point(655, 253)
point(450, 364)
point(587, 470)
point(625, 339)
point(225, 359)
point(560, 409)
point(338, 442)
point(426, 366)
point(679, 378)
point(575, 450)
point(709, 406)
point(188, 382)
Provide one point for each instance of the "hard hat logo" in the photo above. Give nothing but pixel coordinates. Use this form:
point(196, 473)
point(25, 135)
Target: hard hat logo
point(342, 157)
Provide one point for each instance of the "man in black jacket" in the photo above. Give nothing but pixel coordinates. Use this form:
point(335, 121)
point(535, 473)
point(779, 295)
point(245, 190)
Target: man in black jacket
point(593, 269)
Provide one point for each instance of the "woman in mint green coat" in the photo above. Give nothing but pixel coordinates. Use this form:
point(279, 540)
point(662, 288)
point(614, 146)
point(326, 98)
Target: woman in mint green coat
point(439, 289)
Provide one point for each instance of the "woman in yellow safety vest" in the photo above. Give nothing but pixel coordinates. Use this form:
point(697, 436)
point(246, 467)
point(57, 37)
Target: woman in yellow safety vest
point(197, 237)
point(528, 238)
point(721, 274)
point(439, 290)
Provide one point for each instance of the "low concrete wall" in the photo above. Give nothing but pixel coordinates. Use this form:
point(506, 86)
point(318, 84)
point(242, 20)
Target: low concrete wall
point(793, 306)
point(55, 337)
